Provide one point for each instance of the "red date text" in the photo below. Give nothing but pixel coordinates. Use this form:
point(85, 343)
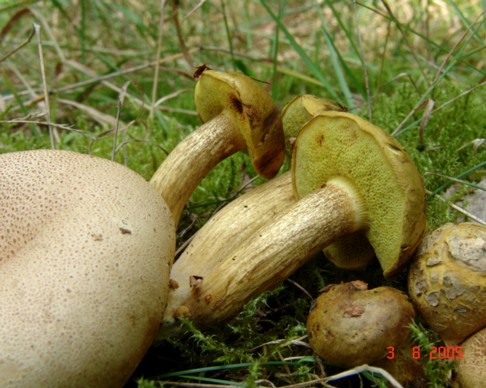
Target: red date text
point(435, 353)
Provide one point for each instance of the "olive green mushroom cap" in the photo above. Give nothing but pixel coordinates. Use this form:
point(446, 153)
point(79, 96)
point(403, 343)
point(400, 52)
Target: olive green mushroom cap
point(254, 113)
point(389, 186)
point(301, 109)
point(352, 251)
point(86, 247)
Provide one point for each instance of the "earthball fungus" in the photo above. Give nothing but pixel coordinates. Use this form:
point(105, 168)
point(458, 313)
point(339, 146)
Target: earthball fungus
point(350, 325)
point(447, 280)
point(470, 369)
point(86, 247)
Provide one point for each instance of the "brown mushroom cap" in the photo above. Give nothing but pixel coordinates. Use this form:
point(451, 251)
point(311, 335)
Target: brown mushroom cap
point(350, 325)
point(85, 252)
point(352, 252)
point(447, 280)
point(253, 111)
point(342, 145)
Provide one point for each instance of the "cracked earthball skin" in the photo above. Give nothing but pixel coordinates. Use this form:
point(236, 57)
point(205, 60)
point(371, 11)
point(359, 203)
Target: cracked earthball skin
point(350, 325)
point(447, 280)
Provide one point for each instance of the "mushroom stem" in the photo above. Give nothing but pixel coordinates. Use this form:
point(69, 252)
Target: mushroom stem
point(239, 115)
point(191, 160)
point(233, 226)
point(307, 226)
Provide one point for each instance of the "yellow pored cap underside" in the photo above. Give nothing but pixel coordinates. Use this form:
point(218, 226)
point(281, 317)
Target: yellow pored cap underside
point(339, 144)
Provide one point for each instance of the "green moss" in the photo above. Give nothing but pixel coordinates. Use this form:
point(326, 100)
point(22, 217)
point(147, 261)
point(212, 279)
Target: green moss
point(425, 342)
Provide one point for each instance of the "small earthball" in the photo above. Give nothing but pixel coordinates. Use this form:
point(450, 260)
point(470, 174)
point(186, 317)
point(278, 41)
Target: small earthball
point(447, 280)
point(471, 369)
point(350, 325)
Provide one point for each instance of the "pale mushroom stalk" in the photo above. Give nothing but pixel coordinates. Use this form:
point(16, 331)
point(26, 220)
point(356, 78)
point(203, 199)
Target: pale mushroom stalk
point(273, 253)
point(238, 115)
point(339, 195)
point(232, 227)
point(195, 156)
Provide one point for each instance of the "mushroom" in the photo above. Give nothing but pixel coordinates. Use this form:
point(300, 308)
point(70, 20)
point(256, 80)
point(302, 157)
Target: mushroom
point(301, 109)
point(227, 230)
point(374, 164)
point(470, 368)
point(85, 252)
point(236, 222)
point(353, 251)
point(350, 325)
point(447, 280)
point(350, 176)
point(239, 115)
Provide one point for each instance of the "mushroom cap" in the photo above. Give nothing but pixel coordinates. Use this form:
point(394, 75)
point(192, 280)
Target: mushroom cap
point(447, 280)
point(253, 111)
point(339, 144)
point(350, 325)
point(301, 109)
point(86, 247)
point(351, 252)
point(471, 368)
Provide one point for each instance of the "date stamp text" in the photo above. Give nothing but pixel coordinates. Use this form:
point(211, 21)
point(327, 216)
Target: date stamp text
point(435, 353)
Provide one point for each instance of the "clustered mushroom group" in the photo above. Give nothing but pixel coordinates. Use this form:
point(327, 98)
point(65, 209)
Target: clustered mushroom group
point(87, 272)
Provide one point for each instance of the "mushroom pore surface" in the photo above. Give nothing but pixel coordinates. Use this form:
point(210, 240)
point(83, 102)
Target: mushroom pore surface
point(253, 112)
point(85, 252)
point(339, 144)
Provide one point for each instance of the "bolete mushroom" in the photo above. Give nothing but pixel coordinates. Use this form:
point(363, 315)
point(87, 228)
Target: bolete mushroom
point(235, 223)
point(447, 280)
point(373, 163)
point(350, 325)
point(238, 115)
point(301, 109)
point(350, 176)
point(85, 252)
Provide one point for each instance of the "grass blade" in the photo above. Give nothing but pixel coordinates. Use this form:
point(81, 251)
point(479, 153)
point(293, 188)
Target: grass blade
point(337, 60)
point(305, 58)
